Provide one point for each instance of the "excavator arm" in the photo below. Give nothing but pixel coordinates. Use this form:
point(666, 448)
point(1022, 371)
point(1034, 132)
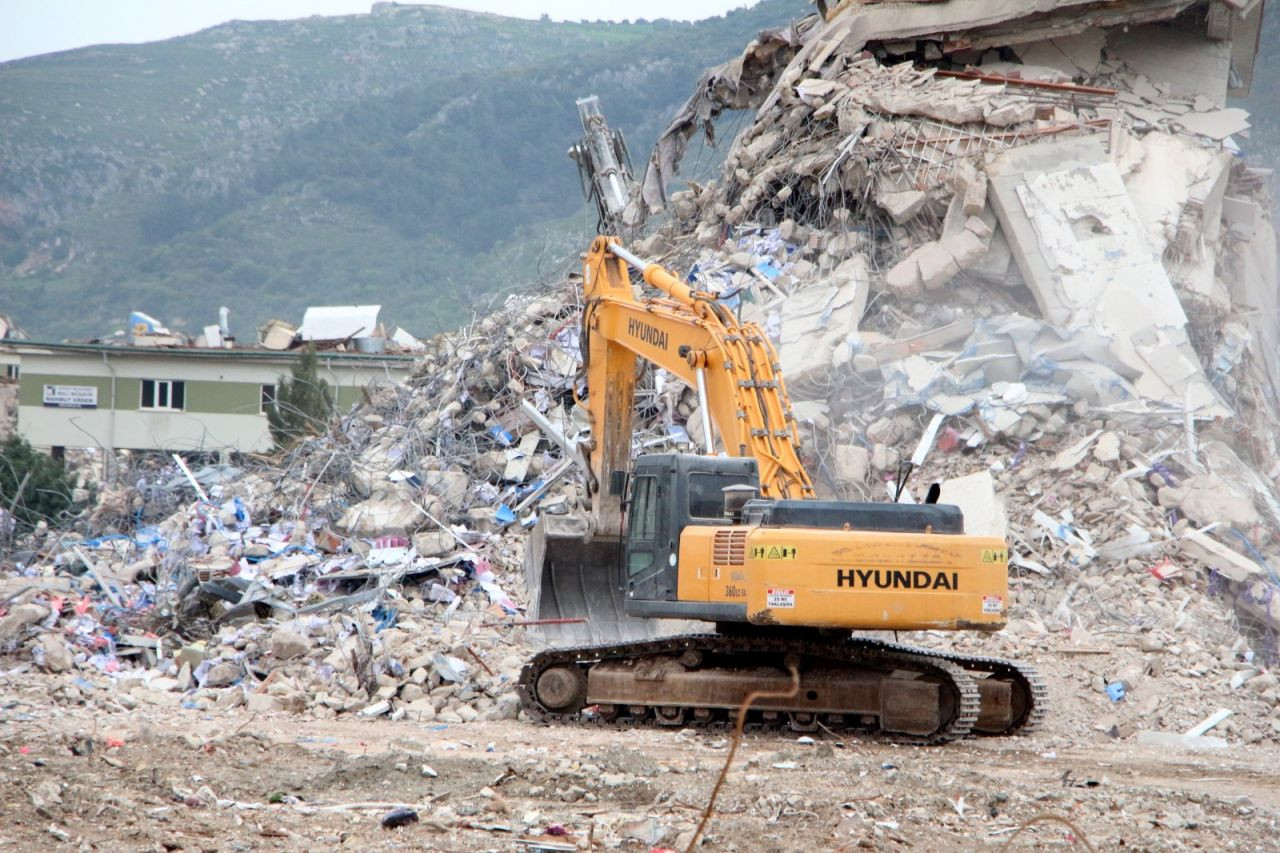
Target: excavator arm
point(733, 365)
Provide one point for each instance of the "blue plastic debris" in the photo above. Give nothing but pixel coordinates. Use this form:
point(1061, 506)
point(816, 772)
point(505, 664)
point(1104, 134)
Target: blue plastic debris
point(504, 514)
point(501, 436)
point(768, 269)
point(383, 617)
point(1115, 691)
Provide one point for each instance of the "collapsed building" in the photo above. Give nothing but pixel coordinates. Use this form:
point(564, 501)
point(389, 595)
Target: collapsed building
point(1020, 248)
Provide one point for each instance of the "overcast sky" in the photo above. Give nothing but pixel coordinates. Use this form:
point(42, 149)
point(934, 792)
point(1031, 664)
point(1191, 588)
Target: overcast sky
point(31, 27)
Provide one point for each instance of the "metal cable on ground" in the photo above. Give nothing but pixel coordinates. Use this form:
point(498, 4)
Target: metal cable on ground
point(737, 741)
point(1050, 818)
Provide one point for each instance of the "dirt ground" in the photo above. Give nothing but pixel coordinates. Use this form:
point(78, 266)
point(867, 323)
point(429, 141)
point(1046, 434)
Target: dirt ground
point(89, 774)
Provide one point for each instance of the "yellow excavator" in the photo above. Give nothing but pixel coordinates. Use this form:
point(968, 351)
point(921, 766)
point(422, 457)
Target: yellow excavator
point(738, 539)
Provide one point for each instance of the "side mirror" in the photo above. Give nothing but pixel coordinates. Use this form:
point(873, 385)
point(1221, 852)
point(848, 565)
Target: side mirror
point(617, 483)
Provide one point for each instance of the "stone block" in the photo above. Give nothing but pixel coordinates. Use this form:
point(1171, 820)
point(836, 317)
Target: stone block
point(965, 248)
point(263, 703)
point(433, 543)
point(902, 207)
point(937, 266)
point(57, 654)
point(904, 280)
point(976, 226)
point(286, 644)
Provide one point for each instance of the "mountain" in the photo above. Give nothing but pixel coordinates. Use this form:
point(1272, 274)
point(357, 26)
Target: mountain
point(413, 157)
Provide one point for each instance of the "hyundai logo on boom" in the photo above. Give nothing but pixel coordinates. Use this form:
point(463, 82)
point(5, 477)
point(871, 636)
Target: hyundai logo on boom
point(649, 334)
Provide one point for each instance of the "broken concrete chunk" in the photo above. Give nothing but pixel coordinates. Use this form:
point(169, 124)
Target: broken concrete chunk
point(904, 279)
point(1010, 113)
point(381, 517)
point(975, 494)
point(1205, 499)
point(980, 229)
point(263, 703)
point(902, 206)
point(1180, 741)
point(286, 644)
point(20, 618)
point(975, 195)
point(1108, 447)
point(222, 675)
point(55, 652)
point(451, 487)
point(851, 463)
point(1202, 548)
point(433, 543)
point(937, 265)
point(965, 248)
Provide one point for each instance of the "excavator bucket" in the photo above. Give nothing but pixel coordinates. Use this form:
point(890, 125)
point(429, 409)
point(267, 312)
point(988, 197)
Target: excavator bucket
point(571, 578)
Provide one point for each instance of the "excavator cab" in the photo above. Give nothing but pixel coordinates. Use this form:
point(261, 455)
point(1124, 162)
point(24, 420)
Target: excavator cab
point(622, 587)
point(669, 492)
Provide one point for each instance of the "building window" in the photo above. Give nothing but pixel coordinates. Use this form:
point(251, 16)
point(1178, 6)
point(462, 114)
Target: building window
point(267, 401)
point(168, 394)
point(11, 371)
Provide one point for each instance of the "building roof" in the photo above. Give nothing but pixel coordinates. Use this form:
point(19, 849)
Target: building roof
point(208, 353)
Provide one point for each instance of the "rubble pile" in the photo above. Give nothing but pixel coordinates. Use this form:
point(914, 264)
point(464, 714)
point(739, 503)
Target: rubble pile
point(382, 551)
point(1031, 263)
point(376, 569)
point(1040, 255)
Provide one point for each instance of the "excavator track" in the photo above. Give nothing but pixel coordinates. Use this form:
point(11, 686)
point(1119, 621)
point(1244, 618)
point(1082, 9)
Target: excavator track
point(875, 690)
point(1028, 693)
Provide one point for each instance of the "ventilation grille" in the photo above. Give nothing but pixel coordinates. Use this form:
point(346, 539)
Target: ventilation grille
point(730, 548)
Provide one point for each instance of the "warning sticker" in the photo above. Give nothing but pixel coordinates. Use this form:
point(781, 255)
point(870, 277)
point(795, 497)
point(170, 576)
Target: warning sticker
point(773, 552)
point(777, 598)
point(994, 555)
point(992, 604)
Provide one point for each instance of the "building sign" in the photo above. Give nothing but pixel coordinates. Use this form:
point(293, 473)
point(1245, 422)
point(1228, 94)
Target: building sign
point(71, 396)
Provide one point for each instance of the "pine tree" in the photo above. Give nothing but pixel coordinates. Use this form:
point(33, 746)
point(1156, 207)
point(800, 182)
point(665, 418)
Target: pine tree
point(302, 404)
point(35, 485)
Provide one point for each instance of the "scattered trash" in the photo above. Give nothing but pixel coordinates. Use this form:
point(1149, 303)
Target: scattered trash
point(399, 817)
point(928, 249)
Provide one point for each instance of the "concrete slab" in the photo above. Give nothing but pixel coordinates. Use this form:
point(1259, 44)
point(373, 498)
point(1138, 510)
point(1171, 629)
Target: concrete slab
point(1085, 253)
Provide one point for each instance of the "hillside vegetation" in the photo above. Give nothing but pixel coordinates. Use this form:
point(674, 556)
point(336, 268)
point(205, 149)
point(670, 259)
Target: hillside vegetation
point(413, 157)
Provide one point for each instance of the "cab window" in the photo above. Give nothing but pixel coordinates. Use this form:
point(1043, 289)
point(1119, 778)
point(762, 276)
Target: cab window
point(644, 523)
point(706, 493)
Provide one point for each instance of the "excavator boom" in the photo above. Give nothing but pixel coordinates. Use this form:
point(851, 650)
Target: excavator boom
point(733, 365)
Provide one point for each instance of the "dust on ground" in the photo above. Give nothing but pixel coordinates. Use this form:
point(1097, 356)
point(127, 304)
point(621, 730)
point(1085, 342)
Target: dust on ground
point(94, 776)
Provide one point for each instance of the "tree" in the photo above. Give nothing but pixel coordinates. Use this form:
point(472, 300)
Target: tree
point(302, 404)
point(34, 485)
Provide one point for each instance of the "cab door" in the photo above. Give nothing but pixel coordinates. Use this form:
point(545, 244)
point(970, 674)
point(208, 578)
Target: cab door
point(645, 551)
